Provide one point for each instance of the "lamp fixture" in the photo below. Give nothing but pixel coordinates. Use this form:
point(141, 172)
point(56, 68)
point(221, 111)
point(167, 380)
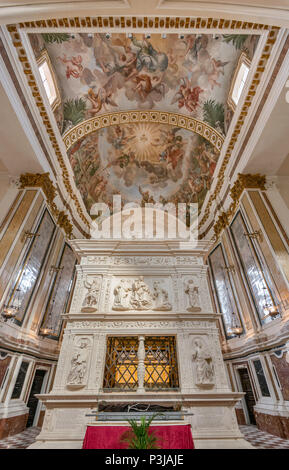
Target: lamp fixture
point(235, 328)
point(10, 311)
point(256, 235)
point(55, 269)
point(47, 330)
point(28, 235)
point(270, 310)
point(230, 269)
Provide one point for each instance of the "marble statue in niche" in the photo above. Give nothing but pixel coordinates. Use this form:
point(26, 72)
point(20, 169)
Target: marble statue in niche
point(137, 295)
point(193, 294)
point(204, 369)
point(161, 298)
point(78, 367)
point(91, 298)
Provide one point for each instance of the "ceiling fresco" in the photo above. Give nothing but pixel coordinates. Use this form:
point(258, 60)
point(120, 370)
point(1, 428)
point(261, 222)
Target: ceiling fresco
point(190, 74)
point(143, 162)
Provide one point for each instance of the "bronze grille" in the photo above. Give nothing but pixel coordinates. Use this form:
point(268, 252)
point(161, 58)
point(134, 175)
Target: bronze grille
point(160, 363)
point(121, 363)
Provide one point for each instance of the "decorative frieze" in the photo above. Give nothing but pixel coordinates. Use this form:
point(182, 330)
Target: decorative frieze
point(122, 324)
point(142, 260)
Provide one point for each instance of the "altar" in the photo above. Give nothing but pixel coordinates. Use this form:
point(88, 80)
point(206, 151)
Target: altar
point(141, 330)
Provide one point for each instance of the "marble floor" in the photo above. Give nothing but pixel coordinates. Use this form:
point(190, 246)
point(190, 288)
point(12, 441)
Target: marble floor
point(259, 439)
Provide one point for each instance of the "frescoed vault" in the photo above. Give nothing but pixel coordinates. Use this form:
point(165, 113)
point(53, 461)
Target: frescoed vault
point(144, 161)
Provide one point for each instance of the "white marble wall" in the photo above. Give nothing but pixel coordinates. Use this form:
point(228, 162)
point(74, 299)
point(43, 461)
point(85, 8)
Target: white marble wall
point(179, 305)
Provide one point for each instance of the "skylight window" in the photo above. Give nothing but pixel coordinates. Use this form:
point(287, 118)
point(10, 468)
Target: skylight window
point(239, 81)
point(48, 80)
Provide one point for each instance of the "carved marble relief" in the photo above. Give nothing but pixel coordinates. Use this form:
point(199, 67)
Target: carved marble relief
point(77, 377)
point(143, 260)
point(160, 297)
point(137, 295)
point(203, 364)
point(91, 298)
point(192, 292)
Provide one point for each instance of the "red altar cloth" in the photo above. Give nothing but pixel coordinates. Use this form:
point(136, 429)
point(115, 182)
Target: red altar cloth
point(108, 437)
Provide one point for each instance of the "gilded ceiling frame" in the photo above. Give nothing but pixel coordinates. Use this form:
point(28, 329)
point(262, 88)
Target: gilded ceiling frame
point(127, 117)
point(157, 23)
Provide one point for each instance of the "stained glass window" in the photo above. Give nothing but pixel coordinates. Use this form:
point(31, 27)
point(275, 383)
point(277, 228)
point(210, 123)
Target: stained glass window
point(30, 269)
point(257, 276)
point(224, 289)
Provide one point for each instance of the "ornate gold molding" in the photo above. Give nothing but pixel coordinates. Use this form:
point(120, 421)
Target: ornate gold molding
point(244, 111)
point(42, 180)
point(244, 181)
point(142, 23)
point(145, 22)
point(128, 117)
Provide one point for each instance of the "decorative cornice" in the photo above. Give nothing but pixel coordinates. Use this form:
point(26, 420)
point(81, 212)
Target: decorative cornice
point(244, 181)
point(13, 30)
point(42, 180)
point(242, 116)
point(128, 117)
point(156, 22)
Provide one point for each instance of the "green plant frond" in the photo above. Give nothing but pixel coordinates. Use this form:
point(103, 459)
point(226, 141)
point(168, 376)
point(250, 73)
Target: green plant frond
point(214, 114)
point(74, 110)
point(139, 437)
point(238, 40)
point(58, 38)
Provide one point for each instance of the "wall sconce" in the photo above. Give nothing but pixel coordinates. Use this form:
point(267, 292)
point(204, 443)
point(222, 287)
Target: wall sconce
point(55, 269)
point(270, 310)
point(28, 235)
point(230, 269)
point(10, 311)
point(256, 235)
point(236, 329)
point(48, 329)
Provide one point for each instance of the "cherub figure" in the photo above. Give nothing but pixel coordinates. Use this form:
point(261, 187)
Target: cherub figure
point(74, 66)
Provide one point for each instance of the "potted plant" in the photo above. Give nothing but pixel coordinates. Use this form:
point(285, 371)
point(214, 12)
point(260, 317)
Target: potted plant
point(140, 436)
